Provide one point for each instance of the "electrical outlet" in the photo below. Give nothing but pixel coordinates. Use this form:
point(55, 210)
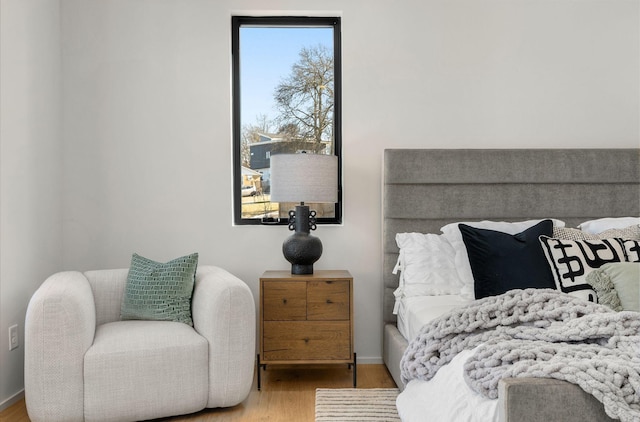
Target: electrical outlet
point(14, 341)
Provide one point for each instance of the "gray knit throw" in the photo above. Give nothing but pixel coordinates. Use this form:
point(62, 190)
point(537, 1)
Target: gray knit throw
point(537, 333)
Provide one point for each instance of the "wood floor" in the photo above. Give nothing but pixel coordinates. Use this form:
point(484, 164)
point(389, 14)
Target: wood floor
point(288, 394)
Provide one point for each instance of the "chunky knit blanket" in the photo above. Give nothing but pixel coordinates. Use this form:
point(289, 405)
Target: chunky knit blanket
point(537, 333)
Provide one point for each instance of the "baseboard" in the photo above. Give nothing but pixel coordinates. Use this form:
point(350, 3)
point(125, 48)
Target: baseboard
point(12, 400)
point(369, 360)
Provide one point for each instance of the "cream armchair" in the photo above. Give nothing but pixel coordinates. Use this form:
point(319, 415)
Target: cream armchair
point(83, 364)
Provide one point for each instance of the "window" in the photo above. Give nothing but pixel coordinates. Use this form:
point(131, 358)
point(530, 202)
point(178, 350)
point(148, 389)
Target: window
point(286, 99)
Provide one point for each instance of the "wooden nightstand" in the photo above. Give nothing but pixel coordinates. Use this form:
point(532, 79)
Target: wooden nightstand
point(306, 319)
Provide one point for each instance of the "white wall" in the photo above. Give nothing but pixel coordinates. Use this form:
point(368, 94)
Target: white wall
point(148, 129)
point(30, 168)
point(147, 116)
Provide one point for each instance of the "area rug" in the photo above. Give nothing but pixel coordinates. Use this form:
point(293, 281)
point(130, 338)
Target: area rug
point(349, 404)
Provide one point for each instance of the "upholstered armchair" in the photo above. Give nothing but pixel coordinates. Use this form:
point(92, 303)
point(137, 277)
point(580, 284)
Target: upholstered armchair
point(83, 363)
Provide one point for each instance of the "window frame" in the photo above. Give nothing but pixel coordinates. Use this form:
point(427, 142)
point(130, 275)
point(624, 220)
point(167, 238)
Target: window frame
point(283, 21)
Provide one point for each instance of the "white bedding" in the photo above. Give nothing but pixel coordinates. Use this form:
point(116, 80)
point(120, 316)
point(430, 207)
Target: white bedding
point(456, 401)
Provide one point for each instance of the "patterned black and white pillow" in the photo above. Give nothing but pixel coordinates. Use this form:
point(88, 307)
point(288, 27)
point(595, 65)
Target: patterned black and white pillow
point(631, 249)
point(572, 260)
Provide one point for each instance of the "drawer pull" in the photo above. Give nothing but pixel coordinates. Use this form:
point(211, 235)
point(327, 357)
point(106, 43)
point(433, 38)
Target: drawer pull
point(284, 301)
point(329, 301)
point(306, 339)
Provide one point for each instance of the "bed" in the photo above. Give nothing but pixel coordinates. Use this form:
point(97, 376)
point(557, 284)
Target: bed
point(426, 189)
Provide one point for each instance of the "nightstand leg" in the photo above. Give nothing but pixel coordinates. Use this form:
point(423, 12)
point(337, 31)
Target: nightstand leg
point(355, 371)
point(258, 369)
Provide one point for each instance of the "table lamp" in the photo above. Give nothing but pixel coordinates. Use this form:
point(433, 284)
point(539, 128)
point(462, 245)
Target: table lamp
point(303, 177)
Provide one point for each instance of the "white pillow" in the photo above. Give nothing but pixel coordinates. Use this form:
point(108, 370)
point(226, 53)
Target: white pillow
point(453, 235)
point(427, 266)
point(602, 224)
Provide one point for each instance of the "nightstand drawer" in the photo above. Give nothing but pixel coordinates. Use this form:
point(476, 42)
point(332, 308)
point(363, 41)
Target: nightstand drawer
point(328, 300)
point(306, 340)
point(284, 301)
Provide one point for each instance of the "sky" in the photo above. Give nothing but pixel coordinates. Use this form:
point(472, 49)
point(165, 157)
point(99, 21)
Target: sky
point(266, 57)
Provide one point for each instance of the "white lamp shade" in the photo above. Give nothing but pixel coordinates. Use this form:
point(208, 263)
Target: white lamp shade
point(304, 178)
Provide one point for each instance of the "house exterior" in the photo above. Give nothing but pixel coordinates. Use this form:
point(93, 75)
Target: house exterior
point(251, 178)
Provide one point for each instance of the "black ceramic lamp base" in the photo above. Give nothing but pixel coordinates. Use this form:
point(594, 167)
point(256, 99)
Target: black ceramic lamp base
point(301, 249)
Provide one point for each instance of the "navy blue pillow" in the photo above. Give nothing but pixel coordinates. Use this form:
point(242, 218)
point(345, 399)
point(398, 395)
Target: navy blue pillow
point(501, 262)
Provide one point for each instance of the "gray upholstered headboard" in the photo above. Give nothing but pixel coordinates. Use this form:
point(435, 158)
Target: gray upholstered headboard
point(425, 189)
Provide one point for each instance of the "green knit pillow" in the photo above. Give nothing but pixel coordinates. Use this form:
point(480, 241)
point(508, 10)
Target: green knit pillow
point(160, 291)
point(626, 279)
point(600, 281)
point(617, 285)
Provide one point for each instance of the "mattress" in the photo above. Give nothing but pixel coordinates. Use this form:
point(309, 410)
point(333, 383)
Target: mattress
point(414, 312)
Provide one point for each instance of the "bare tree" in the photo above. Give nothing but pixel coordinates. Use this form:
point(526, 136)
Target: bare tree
point(305, 98)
